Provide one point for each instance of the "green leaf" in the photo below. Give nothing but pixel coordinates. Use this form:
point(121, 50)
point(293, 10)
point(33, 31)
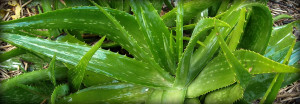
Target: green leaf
point(203, 25)
point(295, 55)
point(242, 75)
point(217, 73)
point(88, 21)
point(190, 9)
point(71, 39)
point(155, 97)
point(156, 33)
point(59, 91)
point(103, 62)
point(52, 69)
point(115, 93)
point(10, 54)
point(272, 91)
point(281, 37)
point(173, 96)
point(281, 16)
point(179, 28)
point(192, 101)
point(226, 95)
point(258, 30)
point(238, 30)
point(157, 4)
point(76, 75)
point(204, 54)
point(30, 77)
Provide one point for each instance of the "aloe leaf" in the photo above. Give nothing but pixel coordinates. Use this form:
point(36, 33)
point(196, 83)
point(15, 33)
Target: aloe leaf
point(173, 96)
point(179, 28)
point(88, 21)
point(26, 94)
point(281, 16)
point(155, 97)
point(156, 33)
point(203, 25)
point(226, 95)
point(242, 75)
point(190, 9)
point(59, 91)
point(71, 39)
point(115, 93)
point(101, 63)
point(76, 75)
point(282, 37)
point(295, 55)
point(217, 73)
point(237, 31)
point(204, 54)
point(31, 77)
point(256, 38)
point(157, 4)
point(52, 69)
point(192, 101)
point(272, 91)
point(10, 54)
point(92, 78)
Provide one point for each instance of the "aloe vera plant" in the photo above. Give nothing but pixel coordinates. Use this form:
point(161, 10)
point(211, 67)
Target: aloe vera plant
point(238, 46)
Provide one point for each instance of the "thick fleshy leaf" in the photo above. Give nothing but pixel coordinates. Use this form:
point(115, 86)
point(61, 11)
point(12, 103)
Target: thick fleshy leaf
point(10, 54)
point(217, 73)
point(179, 29)
point(204, 54)
point(255, 37)
point(59, 91)
point(103, 62)
point(26, 93)
point(242, 75)
point(115, 93)
point(71, 39)
point(173, 96)
point(192, 101)
point(85, 19)
point(203, 25)
point(52, 69)
point(190, 9)
point(76, 75)
point(226, 95)
point(30, 77)
point(155, 97)
point(296, 54)
point(156, 33)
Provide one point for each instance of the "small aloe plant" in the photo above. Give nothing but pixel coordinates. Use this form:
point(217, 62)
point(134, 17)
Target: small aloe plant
point(233, 55)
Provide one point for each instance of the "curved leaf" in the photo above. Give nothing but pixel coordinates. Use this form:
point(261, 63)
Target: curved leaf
point(156, 33)
point(76, 75)
point(190, 9)
point(59, 91)
point(226, 95)
point(52, 69)
point(115, 93)
point(217, 73)
point(258, 30)
point(103, 62)
point(85, 19)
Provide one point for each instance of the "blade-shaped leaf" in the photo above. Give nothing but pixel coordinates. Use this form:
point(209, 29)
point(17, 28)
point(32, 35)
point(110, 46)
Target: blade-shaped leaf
point(155, 97)
point(226, 95)
point(173, 96)
point(85, 19)
point(217, 73)
point(52, 69)
point(10, 54)
point(179, 28)
point(203, 25)
point(242, 75)
point(156, 33)
point(30, 77)
point(102, 62)
point(59, 91)
point(115, 93)
point(273, 89)
point(255, 37)
point(190, 9)
point(76, 75)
